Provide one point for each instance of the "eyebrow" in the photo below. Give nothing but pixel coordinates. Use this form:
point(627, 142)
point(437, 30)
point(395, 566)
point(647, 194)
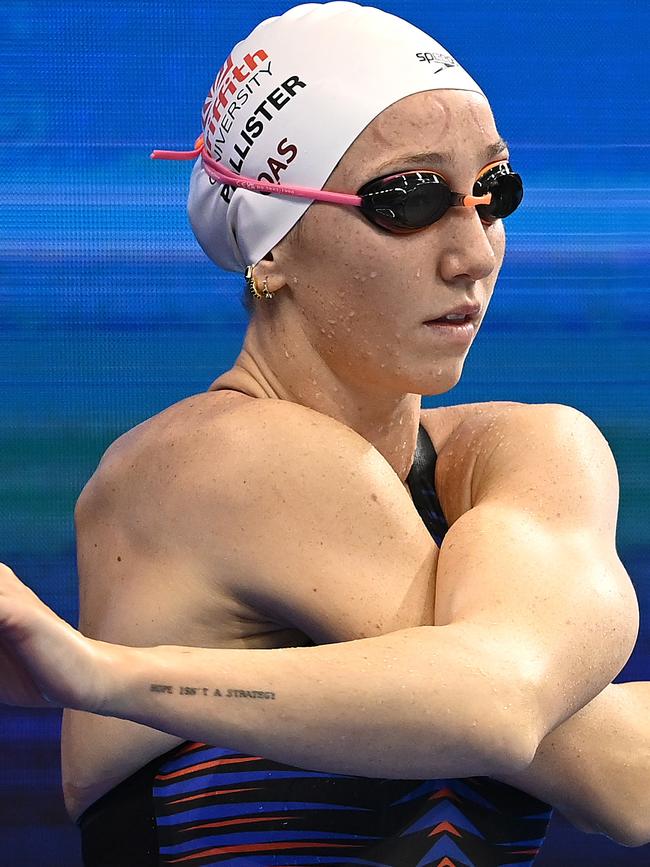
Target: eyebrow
point(420, 159)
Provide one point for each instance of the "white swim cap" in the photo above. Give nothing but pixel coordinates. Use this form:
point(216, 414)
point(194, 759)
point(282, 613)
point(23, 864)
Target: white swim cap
point(286, 105)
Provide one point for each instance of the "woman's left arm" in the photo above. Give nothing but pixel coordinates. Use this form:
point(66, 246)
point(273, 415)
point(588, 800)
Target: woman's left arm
point(43, 653)
point(595, 767)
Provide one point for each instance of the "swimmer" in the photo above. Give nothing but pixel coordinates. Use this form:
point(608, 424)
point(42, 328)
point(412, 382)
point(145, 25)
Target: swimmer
point(437, 592)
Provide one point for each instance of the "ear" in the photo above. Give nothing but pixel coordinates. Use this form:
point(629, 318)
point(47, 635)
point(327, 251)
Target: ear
point(277, 264)
point(267, 270)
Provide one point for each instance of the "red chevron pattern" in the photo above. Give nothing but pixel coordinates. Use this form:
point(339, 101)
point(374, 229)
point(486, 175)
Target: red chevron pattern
point(217, 807)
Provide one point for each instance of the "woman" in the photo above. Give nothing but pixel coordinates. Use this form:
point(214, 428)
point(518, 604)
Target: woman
point(286, 506)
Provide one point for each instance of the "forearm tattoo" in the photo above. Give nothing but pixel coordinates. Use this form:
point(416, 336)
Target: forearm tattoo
point(213, 692)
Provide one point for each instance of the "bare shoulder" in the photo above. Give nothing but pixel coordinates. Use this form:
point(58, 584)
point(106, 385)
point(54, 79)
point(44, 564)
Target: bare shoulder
point(457, 434)
point(150, 452)
point(214, 465)
point(555, 458)
point(224, 417)
point(492, 420)
point(304, 520)
point(511, 448)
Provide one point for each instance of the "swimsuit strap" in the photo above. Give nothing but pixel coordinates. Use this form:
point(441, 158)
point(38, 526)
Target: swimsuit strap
point(421, 481)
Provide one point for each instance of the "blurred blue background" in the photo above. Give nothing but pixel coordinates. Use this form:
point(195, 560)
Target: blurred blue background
point(110, 312)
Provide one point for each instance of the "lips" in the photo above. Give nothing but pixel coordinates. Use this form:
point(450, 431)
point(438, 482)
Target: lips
point(469, 311)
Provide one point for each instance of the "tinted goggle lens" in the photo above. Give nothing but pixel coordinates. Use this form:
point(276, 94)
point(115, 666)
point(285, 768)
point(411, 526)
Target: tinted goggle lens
point(414, 200)
point(507, 191)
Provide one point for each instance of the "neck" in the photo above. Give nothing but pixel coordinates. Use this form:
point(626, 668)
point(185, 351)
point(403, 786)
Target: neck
point(275, 364)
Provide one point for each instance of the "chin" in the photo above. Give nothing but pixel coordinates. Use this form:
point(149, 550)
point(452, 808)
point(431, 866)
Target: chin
point(438, 383)
point(439, 388)
point(437, 378)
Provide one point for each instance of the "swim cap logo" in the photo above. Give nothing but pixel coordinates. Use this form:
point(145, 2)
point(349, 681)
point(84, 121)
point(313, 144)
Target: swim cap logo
point(224, 89)
point(445, 61)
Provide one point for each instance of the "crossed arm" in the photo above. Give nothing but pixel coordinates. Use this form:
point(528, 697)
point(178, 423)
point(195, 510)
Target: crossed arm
point(595, 767)
point(512, 660)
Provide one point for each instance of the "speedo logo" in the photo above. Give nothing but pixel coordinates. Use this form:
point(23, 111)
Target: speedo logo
point(444, 61)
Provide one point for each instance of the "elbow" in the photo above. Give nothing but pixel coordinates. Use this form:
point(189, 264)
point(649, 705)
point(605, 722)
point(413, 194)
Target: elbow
point(631, 833)
point(625, 831)
point(514, 751)
point(514, 738)
point(620, 825)
point(636, 839)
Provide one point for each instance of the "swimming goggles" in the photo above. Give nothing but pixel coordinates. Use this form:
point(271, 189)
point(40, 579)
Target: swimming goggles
point(401, 202)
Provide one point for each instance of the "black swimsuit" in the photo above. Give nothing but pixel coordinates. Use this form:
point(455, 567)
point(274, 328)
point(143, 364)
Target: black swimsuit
point(202, 805)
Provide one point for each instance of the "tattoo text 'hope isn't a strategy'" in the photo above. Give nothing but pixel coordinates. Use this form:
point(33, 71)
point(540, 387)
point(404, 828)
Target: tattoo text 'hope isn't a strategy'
point(204, 690)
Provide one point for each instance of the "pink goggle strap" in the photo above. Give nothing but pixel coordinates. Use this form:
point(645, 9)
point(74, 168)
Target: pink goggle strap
point(224, 175)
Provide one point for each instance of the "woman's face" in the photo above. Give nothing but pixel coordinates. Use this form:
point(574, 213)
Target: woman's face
point(362, 294)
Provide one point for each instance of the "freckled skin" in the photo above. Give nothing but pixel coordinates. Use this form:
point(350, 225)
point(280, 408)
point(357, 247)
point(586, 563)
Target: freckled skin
point(344, 332)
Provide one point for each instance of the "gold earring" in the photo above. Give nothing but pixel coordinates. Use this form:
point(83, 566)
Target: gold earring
point(252, 285)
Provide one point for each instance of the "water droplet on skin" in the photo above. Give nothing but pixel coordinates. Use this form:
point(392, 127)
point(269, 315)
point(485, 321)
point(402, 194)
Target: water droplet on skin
point(418, 272)
point(286, 354)
point(295, 279)
point(373, 274)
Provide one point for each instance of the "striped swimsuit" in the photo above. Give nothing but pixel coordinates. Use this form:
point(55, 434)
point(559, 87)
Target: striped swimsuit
point(200, 805)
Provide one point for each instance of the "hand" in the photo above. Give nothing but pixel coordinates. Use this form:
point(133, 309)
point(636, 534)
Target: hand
point(43, 660)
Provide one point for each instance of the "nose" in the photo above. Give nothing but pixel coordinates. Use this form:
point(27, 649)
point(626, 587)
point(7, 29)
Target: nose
point(466, 249)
